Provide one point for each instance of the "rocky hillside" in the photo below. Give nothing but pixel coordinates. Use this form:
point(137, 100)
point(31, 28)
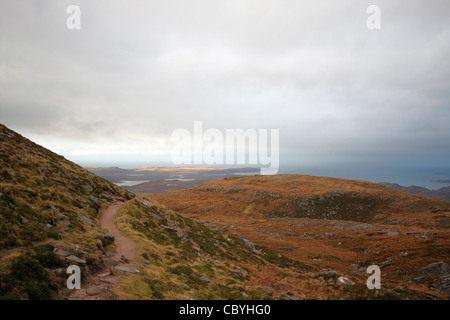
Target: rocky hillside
point(49, 220)
point(46, 203)
point(330, 224)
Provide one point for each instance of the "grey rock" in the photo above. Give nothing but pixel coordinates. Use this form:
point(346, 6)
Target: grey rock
point(109, 280)
point(127, 268)
point(329, 274)
point(76, 259)
point(393, 233)
point(238, 272)
point(438, 269)
point(86, 219)
point(49, 226)
point(185, 286)
point(147, 262)
point(60, 217)
point(60, 252)
point(207, 280)
point(96, 290)
point(248, 244)
point(164, 235)
point(110, 254)
point(443, 286)
point(24, 220)
point(125, 258)
point(344, 280)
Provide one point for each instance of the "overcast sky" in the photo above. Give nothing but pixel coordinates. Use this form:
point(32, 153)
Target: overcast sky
point(137, 70)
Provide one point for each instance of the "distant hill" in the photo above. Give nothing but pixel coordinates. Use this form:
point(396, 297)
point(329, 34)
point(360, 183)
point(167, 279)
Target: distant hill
point(442, 193)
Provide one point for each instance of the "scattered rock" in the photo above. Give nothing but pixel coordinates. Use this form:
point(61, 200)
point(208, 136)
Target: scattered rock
point(24, 220)
point(110, 280)
point(388, 262)
point(207, 280)
point(443, 286)
point(248, 244)
point(125, 258)
point(127, 268)
point(238, 272)
point(393, 233)
point(60, 252)
point(403, 254)
point(86, 219)
point(437, 269)
point(344, 280)
point(60, 217)
point(102, 275)
point(110, 254)
point(76, 259)
point(164, 235)
point(244, 295)
point(147, 262)
point(185, 286)
point(49, 226)
point(96, 290)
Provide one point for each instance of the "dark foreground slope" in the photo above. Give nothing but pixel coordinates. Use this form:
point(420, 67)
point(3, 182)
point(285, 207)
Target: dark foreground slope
point(46, 201)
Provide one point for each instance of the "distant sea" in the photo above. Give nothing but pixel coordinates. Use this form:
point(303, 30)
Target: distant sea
point(405, 176)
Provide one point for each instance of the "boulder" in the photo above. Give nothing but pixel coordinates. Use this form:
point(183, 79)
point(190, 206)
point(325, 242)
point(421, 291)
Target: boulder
point(248, 244)
point(125, 258)
point(344, 280)
point(436, 269)
point(60, 252)
point(207, 280)
point(127, 268)
point(147, 262)
point(76, 259)
point(443, 286)
point(86, 219)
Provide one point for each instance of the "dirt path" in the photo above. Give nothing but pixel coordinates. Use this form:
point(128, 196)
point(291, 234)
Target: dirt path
point(98, 285)
point(124, 245)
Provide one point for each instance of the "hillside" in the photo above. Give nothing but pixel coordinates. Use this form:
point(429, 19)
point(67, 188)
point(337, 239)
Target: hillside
point(46, 202)
point(50, 218)
point(238, 238)
point(330, 224)
point(441, 193)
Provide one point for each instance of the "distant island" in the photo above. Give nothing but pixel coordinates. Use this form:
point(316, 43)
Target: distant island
point(442, 193)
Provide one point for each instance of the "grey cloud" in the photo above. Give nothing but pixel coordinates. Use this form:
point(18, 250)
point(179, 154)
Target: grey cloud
point(137, 70)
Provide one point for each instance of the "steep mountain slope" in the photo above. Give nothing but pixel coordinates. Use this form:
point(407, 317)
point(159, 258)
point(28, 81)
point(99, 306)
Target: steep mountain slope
point(46, 202)
point(328, 223)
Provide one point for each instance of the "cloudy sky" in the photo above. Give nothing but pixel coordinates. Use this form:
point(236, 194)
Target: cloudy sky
point(116, 89)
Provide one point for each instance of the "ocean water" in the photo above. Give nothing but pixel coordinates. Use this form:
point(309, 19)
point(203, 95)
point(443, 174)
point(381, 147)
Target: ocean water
point(405, 176)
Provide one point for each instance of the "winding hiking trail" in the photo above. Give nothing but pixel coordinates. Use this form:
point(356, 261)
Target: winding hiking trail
point(124, 245)
point(98, 285)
